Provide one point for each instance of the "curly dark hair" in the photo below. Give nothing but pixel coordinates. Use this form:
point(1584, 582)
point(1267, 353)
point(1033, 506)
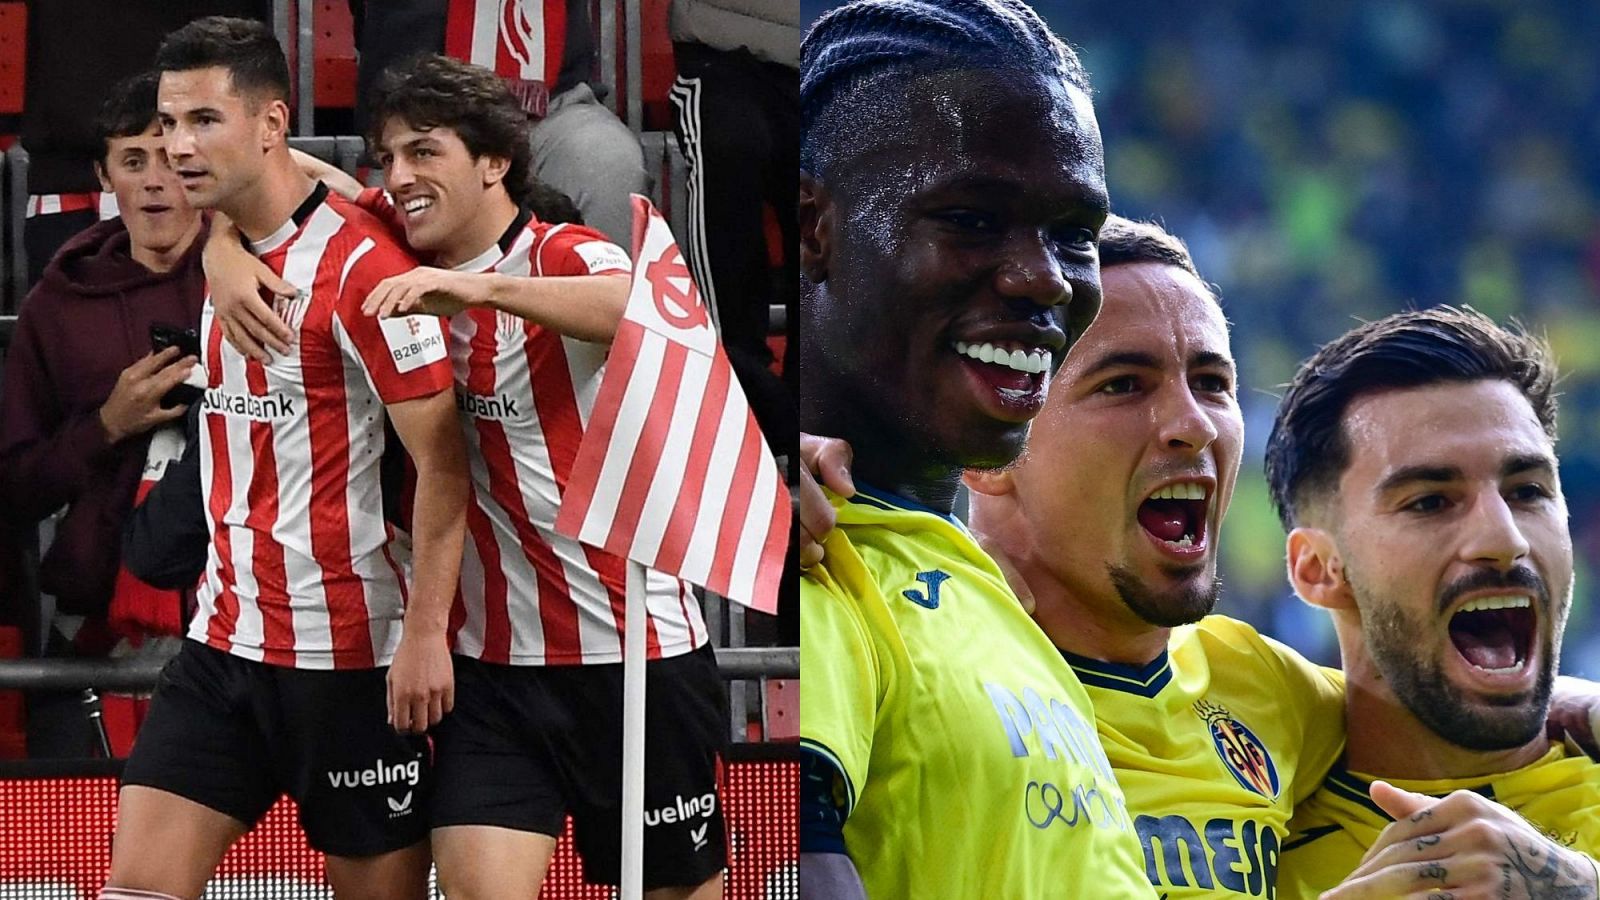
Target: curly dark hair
point(433, 91)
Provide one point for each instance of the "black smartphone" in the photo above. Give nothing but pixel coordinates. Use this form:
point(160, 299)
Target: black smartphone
point(187, 340)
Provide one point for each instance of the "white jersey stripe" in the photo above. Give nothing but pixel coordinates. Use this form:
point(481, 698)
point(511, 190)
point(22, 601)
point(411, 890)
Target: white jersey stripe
point(719, 478)
point(658, 508)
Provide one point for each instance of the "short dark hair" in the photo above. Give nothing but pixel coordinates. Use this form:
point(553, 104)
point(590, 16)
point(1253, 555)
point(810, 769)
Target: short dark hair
point(434, 91)
point(246, 48)
point(128, 110)
point(856, 47)
point(1126, 241)
point(1308, 449)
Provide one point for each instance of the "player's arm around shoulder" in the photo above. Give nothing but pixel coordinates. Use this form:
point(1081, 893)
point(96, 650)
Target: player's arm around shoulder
point(578, 287)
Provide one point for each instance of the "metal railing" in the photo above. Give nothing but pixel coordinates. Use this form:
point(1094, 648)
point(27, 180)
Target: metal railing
point(137, 675)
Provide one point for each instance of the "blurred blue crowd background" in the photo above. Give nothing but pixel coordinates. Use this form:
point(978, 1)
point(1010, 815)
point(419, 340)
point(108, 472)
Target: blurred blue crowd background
point(1329, 162)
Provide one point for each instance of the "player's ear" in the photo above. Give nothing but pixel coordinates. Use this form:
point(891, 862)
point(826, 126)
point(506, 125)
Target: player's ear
point(991, 482)
point(1316, 570)
point(104, 177)
point(493, 169)
point(274, 123)
point(816, 227)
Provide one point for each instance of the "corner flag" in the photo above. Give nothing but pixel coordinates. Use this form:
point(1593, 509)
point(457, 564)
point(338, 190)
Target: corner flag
point(673, 472)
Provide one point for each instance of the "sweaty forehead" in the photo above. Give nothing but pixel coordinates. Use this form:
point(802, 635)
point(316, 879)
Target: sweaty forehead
point(1471, 425)
point(943, 124)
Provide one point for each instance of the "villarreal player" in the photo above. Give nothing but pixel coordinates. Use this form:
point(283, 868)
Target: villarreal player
point(1213, 731)
point(1438, 541)
point(952, 187)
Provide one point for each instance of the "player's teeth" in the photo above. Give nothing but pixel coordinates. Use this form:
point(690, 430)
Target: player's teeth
point(1027, 362)
point(1483, 603)
point(1185, 542)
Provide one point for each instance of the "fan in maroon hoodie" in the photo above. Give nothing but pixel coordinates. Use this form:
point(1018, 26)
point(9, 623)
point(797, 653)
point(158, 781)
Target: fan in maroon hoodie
point(82, 391)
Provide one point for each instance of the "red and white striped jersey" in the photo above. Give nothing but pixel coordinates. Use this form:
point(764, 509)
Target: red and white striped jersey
point(522, 41)
point(301, 572)
point(531, 596)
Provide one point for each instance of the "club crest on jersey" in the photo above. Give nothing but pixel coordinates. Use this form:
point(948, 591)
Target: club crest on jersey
point(1241, 751)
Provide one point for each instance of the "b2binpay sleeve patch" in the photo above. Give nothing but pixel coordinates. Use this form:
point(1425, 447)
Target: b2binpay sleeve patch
point(413, 341)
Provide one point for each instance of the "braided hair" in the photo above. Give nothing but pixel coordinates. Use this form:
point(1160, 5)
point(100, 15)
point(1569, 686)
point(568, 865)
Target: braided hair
point(857, 44)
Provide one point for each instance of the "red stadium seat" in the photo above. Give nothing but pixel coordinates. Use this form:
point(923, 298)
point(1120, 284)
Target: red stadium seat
point(13, 56)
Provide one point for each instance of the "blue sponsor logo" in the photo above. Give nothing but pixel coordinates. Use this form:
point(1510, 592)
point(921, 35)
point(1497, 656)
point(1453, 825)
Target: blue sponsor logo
point(932, 580)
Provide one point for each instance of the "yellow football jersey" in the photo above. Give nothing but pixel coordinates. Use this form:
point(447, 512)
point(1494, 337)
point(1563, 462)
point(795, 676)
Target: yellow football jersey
point(1559, 794)
point(1213, 742)
point(967, 744)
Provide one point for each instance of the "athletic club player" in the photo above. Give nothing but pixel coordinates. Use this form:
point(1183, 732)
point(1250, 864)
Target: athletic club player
point(536, 733)
point(281, 687)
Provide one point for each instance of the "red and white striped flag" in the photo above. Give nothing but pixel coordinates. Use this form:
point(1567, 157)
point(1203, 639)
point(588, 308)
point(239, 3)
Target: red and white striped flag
point(673, 472)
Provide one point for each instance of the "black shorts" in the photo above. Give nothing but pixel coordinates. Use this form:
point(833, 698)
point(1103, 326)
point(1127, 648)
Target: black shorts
point(526, 745)
point(234, 735)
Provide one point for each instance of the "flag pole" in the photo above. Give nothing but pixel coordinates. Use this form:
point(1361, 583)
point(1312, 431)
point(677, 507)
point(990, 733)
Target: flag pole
point(633, 737)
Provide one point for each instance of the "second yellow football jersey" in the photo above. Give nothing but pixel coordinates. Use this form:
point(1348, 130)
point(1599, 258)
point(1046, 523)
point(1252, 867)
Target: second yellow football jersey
point(1213, 742)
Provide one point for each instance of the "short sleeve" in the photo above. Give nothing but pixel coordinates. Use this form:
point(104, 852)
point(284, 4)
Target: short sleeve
point(405, 357)
point(577, 250)
point(838, 707)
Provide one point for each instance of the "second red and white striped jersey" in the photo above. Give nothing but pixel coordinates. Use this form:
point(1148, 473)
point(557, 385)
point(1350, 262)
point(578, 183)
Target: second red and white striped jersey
point(531, 596)
point(301, 572)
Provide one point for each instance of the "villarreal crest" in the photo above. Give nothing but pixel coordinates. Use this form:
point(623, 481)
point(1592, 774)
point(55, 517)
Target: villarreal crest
point(1241, 751)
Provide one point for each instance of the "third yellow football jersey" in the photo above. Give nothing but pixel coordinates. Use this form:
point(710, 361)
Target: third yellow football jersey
point(1559, 794)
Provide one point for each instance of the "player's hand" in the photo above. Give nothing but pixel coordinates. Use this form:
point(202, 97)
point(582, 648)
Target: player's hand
point(1462, 846)
point(1575, 714)
point(422, 684)
point(426, 290)
point(827, 459)
point(236, 279)
point(134, 406)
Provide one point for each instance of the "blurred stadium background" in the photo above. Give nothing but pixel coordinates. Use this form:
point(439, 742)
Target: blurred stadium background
point(1329, 162)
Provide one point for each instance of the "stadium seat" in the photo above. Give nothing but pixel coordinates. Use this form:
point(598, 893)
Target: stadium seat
point(16, 200)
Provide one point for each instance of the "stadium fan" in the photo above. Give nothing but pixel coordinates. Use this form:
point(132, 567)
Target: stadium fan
point(82, 419)
point(737, 117)
point(297, 674)
point(1413, 463)
point(72, 56)
point(545, 52)
point(1215, 732)
point(951, 190)
point(537, 729)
